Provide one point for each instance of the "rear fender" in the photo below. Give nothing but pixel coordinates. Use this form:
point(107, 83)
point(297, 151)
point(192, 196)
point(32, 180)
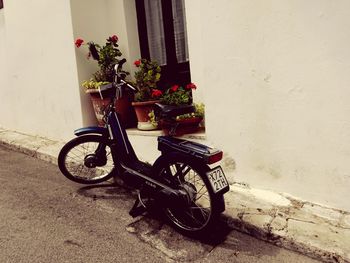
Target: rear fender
point(92, 130)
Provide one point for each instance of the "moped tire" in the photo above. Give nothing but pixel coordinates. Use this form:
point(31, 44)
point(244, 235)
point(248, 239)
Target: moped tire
point(189, 174)
point(78, 160)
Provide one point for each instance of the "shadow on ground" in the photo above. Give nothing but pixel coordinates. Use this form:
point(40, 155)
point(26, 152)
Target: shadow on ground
point(150, 228)
point(114, 191)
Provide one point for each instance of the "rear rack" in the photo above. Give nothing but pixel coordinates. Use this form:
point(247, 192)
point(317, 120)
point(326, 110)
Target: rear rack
point(207, 154)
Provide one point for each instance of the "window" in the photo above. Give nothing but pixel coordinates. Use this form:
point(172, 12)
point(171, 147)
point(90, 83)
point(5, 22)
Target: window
point(163, 37)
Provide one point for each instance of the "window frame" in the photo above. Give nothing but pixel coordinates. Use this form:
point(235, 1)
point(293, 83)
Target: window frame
point(173, 72)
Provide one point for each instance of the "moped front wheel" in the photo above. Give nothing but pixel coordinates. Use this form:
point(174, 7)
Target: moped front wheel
point(87, 159)
point(202, 207)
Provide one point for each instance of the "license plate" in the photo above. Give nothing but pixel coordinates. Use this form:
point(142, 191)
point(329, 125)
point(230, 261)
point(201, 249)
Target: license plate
point(218, 180)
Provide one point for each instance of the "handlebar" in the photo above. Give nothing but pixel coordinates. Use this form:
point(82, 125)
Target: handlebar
point(119, 76)
point(120, 65)
point(129, 85)
point(118, 83)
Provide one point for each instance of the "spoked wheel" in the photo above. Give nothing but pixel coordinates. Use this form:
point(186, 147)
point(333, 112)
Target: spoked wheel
point(201, 208)
point(87, 160)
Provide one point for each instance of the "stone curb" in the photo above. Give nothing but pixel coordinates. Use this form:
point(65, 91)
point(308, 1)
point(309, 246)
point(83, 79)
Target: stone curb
point(34, 146)
point(311, 229)
point(314, 230)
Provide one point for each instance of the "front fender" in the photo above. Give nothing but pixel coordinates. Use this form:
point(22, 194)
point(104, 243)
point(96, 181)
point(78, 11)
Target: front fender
point(91, 130)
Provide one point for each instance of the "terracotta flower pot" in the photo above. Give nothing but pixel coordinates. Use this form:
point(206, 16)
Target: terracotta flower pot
point(142, 110)
point(183, 126)
point(123, 107)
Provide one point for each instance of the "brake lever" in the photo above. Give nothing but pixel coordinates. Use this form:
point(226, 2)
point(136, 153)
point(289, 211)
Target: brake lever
point(128, 85)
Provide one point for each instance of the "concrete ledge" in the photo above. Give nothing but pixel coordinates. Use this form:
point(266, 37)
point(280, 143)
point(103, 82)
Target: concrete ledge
point(315, 230)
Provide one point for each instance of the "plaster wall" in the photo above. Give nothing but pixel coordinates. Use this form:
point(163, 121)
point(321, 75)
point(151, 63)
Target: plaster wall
point(2, 49)
point(41, 70)
point(96, 20)
point(275, 79)
point(38, 71)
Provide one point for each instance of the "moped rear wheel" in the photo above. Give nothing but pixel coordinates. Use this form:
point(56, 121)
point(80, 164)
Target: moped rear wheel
point(86, 159)
point(202, 206)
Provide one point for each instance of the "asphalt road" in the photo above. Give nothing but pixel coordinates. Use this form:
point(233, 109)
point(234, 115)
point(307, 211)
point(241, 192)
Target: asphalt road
point(46, 218)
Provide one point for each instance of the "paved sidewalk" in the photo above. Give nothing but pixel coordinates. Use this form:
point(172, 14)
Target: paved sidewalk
point(278, 218)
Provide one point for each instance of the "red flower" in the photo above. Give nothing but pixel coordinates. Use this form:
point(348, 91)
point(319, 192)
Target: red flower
point(113, 39)
point(79, 42)
point(137, 63)
point(156, 93)
point(191, 86)
point(174, 88)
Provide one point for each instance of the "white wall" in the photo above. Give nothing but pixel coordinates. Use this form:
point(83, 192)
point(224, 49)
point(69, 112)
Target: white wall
point(39, 92)
point(96, 20)
point(89, 23)
point(2, 50)
point(275, 78)
point(41, 70)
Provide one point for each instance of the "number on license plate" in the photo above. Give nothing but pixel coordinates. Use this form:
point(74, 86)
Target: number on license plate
point(217, 179)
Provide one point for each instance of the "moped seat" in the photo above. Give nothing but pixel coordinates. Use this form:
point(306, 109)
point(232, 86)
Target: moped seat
point(169, 111)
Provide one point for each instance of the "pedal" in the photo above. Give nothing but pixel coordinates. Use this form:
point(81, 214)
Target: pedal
point(138, 209)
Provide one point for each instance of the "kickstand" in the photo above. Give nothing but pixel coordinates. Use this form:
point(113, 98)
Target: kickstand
point(138, 209)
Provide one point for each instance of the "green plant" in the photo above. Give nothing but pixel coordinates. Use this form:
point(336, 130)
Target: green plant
point(198, 113)
point(106, 56)
point(177, 95)
point(93, 84)
point(146, 78)
point(152, 119)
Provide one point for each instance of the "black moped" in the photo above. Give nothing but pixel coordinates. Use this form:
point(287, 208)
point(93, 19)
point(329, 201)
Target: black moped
point(179, 183)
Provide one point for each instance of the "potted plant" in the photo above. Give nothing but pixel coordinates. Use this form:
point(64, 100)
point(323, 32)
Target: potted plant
point(99, 86)
point(187, 123)
point(146, 77)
